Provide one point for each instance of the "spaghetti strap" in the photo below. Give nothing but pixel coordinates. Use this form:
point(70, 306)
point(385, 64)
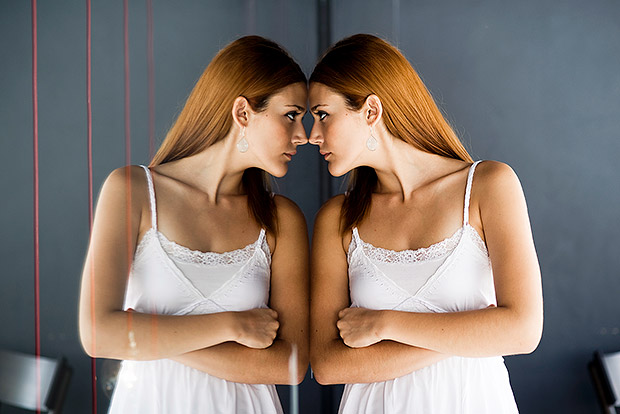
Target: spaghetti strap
point(261, 236)
point(149, 179)
point(470, 179)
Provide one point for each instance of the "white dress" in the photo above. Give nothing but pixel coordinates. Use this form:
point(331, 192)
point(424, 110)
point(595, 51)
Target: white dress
point(450, 276)
point(170, 279)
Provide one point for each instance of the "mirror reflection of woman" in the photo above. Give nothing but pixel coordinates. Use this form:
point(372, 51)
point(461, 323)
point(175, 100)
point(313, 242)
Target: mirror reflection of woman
point(424, 274)
point(196, 274)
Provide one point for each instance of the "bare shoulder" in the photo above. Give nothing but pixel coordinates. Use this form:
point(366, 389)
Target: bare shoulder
point(131, 177)
point(292, 230)
point(493, 177)
point(496, 193)
point(122, 177)
point(494, 169)
point(329, 213)
point(288, 212)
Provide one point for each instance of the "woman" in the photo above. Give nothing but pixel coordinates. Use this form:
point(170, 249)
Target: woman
point(168, 286)
point(419, 324)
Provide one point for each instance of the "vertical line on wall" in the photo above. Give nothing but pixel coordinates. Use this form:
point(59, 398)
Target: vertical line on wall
point(127, 91)
point(324, 41)
point(150, 76)
point(283, 27)
point(151, 103)
point(395, 22)
point(35, 152)
point(250, 17)
point(127, 155)
point(89, 156)
point(325, 181)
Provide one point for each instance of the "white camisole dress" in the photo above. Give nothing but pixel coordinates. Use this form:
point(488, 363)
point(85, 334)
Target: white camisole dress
point(170, 279)
point(453, 275)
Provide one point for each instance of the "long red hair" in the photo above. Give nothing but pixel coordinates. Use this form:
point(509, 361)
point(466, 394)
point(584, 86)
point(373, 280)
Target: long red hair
point(252, 67)
point(362, 65)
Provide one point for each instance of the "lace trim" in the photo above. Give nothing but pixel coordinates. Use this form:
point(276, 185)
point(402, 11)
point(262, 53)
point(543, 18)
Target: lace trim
point(423, 254)
point(186, 255)
point(142, 244)
point(432, 252)
point(477, 239)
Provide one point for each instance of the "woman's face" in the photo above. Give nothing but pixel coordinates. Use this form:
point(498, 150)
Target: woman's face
point(339, 132)
point(274, 134)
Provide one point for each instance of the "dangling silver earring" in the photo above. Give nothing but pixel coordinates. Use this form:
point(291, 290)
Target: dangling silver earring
point(372, 143)
point(242, 144)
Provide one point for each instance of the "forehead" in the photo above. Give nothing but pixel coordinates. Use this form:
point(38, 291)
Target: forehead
point(295, 93)
point(321, 94)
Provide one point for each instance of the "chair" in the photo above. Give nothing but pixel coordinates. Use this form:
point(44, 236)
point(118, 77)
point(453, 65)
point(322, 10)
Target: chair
point(605, 373)
point(18, 381)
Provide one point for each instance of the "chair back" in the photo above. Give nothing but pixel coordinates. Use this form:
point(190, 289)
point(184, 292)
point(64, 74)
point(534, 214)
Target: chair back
point(605, 373)
point(18, 381)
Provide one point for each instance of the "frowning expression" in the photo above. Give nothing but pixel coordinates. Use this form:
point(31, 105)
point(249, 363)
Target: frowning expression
point(274, 134)
point(339, 131)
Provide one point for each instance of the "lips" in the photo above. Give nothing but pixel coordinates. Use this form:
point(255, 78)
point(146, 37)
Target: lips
point(289, 155)
point(325, 154)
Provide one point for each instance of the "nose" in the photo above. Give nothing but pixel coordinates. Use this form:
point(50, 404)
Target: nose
point(299, 135)
point(316, 137)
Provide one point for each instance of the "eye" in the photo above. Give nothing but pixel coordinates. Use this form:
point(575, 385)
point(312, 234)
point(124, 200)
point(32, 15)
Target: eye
point(291, 115)
point(322, 115)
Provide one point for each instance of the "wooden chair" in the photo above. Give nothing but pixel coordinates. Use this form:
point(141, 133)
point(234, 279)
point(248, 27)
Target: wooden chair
point(18, 381)
point(605, 373)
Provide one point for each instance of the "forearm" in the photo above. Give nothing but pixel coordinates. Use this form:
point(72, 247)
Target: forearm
point(138, 336)
point(480, 333)
point(337, 363)
point(238, 363)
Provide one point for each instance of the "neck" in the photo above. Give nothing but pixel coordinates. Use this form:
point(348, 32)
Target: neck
point(401, 168)
point(216, 171)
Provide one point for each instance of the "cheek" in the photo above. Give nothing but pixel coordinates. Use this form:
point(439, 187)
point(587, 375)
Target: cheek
point(273, 133)
point(343, 135)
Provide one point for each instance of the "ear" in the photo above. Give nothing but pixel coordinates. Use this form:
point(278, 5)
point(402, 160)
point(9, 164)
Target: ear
point(373, 110)
point(240, 112)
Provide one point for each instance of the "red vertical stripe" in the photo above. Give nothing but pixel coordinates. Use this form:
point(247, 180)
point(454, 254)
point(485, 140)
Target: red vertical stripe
point(35, 135)
point(150, 75)
point(89, 117)
point(127, 119)
point(127, 152)
point(89, 145)
point(151, 100)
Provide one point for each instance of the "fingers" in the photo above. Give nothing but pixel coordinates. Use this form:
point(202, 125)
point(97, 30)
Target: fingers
point(260, 328)
point(343, 313)
point(271, 312)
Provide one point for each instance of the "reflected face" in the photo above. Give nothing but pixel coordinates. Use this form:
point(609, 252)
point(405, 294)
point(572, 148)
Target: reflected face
point(339, 132)
point(274, 134)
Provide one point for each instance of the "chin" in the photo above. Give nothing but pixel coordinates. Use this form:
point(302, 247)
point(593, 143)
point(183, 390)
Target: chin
point(335, 171)
point(280, 172)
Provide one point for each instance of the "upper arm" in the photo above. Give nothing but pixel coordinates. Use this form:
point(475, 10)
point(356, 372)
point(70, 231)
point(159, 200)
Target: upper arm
point(329, 278)
point(507, 230)
point(112, 244)
point(289, 273)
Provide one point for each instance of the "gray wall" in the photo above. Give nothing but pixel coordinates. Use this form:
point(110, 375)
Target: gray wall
point(533, 83)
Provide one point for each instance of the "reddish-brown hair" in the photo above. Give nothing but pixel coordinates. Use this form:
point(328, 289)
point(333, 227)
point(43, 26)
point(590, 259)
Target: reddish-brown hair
point(363, 65)
point(252, 67)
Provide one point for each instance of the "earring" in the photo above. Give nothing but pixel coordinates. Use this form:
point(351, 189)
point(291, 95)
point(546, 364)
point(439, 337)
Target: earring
point(372, 143)
point(242, 145)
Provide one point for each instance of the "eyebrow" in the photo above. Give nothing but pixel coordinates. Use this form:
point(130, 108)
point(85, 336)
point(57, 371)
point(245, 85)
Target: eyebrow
point(316, 106)
point(301, 108)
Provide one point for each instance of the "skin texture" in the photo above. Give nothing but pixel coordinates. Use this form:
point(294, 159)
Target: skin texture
point(418, 202)
point(201, 205)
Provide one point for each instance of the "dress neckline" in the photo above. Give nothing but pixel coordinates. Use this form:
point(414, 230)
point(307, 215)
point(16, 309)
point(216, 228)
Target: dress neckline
point(422, 254)
point(185, 254)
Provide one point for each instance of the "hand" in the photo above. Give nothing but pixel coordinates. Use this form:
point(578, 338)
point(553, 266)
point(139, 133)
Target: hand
point(359, 327)
point(257, 328)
